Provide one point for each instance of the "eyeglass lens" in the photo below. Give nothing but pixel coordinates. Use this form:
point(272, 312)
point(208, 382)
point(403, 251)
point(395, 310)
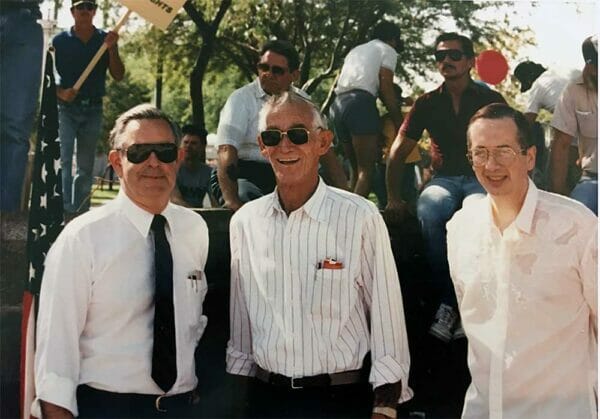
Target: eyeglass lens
point(274, 69)
point(165, 152)
point(272, 137)
point(454, 54)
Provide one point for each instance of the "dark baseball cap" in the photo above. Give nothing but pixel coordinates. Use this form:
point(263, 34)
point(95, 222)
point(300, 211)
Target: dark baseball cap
point(527, 72)
point(589, 49)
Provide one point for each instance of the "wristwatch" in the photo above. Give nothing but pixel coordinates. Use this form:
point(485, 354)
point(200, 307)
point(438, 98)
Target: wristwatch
point(390, 412)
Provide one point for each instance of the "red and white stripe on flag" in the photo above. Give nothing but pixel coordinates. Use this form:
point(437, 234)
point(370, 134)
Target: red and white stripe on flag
point(27, 384)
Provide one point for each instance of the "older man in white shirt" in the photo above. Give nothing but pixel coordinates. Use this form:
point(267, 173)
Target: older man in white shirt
point(121, 299)
point(314, 287)
point(524, 266)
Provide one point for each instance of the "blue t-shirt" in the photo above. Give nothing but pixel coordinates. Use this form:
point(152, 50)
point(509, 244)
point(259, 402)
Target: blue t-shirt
point(193, 185)
point(72, 57)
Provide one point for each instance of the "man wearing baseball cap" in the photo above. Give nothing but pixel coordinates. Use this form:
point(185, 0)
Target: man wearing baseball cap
point(80, 111)
point(576, 115)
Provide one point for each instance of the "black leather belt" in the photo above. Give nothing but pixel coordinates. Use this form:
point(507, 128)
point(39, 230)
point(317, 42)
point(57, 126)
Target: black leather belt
point(321, 380)
point(165, 402)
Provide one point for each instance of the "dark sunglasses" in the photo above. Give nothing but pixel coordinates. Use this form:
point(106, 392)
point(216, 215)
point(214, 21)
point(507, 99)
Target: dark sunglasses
point(138, 153)
point(272, 137)
point(86, 6)
point(454, 54)
point(274, 69)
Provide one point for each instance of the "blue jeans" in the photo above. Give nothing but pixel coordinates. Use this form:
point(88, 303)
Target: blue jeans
point(586, 192)
point(440, 199)
point(83, 123)
point(21, 51)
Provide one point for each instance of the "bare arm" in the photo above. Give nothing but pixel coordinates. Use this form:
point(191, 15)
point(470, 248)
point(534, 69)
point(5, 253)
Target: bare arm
point(334, 170)
point(115, 65)
point(387, 95)
point(52, 411)
point(227, 175)
point(559, 161)
point(66, 95)
point(401, 148)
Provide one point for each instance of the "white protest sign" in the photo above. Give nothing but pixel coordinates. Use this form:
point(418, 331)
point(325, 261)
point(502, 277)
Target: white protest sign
point(158, 12)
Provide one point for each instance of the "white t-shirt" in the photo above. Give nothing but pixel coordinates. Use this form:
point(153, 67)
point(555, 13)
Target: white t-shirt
point(362, 64)
point(546, 90)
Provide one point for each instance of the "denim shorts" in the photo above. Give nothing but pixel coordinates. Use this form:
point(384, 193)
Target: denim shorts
point(355, 113)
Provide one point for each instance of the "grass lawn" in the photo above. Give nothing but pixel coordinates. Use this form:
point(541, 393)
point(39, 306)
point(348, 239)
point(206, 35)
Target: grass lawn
point(100, 197)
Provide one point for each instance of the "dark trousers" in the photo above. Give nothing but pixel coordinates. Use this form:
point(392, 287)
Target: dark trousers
point(344, 401)
point(93, 403)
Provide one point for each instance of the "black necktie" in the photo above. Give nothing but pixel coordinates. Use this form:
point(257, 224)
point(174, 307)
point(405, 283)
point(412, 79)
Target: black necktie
point(164, 360)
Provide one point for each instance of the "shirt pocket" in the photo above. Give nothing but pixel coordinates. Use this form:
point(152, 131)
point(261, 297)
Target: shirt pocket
point(587, 121)
point(195, 290)
point(331, 293)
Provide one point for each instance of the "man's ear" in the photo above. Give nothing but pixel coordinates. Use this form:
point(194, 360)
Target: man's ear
point(531, 155)
point(325, 140)
point(295, 75)
point(114, 157)
point(263, 148)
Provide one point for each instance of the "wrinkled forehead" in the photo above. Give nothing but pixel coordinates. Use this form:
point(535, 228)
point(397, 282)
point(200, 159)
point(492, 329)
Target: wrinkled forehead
point(290, 114)
point(146, 131)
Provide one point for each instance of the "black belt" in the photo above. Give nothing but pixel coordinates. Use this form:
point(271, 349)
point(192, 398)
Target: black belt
point(321, 380)
point(88, 101)
point(162, 402)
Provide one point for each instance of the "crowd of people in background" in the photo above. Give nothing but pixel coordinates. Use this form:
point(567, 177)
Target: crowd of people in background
point(314, 287)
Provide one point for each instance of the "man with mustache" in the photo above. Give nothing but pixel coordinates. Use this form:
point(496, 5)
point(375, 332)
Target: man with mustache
point(444, 113)
point(121, 300)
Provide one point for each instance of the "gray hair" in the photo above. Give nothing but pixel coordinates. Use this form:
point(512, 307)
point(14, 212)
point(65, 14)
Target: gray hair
point(137, 113)
point(289, 98)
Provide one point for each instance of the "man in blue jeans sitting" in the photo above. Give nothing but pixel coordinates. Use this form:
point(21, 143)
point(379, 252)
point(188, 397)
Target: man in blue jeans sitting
point(445, 113)
point(80, 111)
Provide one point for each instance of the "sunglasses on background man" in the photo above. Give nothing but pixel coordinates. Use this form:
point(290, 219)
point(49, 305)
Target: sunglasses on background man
point(138, 153)
point(454, 54)
point(274, 69)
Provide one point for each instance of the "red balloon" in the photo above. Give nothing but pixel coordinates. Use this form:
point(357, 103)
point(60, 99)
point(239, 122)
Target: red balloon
point(491, 66)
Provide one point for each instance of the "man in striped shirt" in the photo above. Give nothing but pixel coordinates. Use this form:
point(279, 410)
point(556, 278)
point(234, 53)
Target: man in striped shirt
point(314, 288)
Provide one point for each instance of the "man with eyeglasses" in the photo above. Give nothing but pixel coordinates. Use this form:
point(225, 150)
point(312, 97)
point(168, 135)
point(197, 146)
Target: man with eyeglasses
point(80, 111)
point(524, 265)
point(314, 287)
point(243, 174)
point(444, 113)
point(576, 115)
point(120, 311)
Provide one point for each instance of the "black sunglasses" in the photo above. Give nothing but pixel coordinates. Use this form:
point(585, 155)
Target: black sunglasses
point(272, 137)
point(86, 6)
point(454, 54)
point(138, 153)
point(274, 69)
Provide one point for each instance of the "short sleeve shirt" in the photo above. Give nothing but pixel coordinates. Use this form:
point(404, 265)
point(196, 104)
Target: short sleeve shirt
point(72, 57)
point(362, 64)
point(545, 91)
point(434, 112)
point(576, 114)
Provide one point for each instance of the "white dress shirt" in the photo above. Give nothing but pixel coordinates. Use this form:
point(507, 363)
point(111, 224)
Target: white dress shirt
point(576, 114)
point(528, 303)
point(96, 315)
point(238, 121)
point(293, 318)
point(362, 64)
point(545, 91)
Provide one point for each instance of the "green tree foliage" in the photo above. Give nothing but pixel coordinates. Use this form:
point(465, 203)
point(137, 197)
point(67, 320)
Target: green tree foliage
point(323, 31)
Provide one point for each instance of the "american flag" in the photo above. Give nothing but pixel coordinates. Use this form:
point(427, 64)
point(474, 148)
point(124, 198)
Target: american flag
point(45, 223)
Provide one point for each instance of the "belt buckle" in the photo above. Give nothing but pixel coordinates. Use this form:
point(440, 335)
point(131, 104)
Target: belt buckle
point(157, 403)
point(85, 102)
point(294, 386)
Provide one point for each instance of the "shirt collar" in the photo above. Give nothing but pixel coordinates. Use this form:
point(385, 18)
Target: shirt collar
point(312, 207)
point(258, 90)
point(139, 217)
point(524, 220)
point(472, 87)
